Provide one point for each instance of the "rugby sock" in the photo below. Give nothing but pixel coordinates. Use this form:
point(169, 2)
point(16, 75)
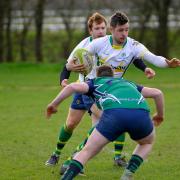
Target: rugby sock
point(74, 169)
point(79, 147)
point(64, 136)
point(134, 163)
point(118, 146)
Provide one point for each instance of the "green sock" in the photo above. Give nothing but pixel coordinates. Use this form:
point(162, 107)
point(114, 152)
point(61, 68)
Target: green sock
point(134, 163)
point(79, 147)
point(64, 136)
point(118, 145)
point(74, 168)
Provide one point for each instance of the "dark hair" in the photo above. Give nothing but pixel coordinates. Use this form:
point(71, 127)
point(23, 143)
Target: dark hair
point(104, 71)
point(96, 17)
point(119, 18)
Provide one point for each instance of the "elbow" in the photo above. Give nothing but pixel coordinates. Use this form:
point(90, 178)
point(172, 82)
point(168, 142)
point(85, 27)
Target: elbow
point(158, 93)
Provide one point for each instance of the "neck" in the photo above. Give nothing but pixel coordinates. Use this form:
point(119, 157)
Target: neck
point(117, 43)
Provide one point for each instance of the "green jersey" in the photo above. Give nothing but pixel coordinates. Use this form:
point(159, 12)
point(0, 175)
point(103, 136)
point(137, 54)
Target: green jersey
point(110, 93)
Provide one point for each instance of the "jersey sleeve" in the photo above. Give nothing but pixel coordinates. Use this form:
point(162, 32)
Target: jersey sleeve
point(139, 87)
point(64, 74)
point(139, 64)
point(140, 51)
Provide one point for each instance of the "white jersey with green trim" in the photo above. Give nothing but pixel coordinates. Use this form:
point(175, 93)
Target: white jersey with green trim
point(83, 44)
point(120, 57)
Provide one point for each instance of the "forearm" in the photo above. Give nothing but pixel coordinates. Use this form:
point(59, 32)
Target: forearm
point(64, 74)
point(158, 61)
point(158, 97)
point(65, 93)
point(159, 101)
point(139, 64)
point(68, 91)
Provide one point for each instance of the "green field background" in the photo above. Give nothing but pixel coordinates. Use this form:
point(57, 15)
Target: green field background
point(27, 138)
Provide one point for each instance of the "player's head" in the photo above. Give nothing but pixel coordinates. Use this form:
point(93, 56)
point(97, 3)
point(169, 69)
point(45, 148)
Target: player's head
point(97, 25)
point(104, 71)
point(119, 27)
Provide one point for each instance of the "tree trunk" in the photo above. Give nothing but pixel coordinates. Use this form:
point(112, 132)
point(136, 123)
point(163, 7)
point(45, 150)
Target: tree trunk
point(39, 16)
point(1, 31)
point(9, 52)
point(162, 9)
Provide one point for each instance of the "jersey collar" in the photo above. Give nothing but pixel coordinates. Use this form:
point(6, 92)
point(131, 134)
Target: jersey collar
point(117, 46)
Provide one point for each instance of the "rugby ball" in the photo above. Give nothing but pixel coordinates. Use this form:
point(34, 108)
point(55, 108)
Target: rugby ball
point(82, 56)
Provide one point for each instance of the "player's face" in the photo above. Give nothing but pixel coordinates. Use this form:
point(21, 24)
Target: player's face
point(98, 30)
point(120, 33)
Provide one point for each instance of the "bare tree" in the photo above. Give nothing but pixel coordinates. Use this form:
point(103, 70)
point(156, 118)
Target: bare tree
point(162, 11)
point(27, 20)
point(39, 16)
point(9, 51)
point(2, 3)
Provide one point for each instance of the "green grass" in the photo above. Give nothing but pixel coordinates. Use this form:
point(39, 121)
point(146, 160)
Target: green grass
point(27, 139)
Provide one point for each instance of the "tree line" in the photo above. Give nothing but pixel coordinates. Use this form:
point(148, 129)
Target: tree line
point(162, 10)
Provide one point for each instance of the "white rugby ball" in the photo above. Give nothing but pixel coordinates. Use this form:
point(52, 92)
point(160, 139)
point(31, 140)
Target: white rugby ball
point(82, 56)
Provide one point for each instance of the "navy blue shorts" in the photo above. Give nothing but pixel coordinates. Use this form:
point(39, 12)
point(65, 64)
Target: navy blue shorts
point(82, 102)
point(114, 122)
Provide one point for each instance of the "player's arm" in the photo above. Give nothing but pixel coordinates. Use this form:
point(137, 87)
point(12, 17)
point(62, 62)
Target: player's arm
point(72, 66)
point(140, 51)
point(65, 93)
point(64, 76)
point(150, 73)
point(71, 62)
point(160, 61)
point(158, 97)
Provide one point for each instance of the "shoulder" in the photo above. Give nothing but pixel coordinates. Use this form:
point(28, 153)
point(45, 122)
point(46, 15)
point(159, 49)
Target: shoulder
point(101, 40)
point(85, 42)
point(132, 41)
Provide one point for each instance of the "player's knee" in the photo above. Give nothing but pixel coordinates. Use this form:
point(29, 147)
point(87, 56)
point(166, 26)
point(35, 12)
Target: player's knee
point(71, 123)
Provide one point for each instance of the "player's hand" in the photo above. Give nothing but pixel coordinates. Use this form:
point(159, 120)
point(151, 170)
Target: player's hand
point(150, 73)
point(157, 120)
point(50, 110)
point(173, 63)
point(72, 66)
point(64, 83)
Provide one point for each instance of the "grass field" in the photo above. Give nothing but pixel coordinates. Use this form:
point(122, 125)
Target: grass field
point(27, 139)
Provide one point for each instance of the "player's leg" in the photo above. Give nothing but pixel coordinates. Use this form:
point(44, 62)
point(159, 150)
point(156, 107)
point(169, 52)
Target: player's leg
point(143, 133)
point(107, 129)
point(140, 153)
point(89, 104)
point(119, 159)
point(94, 145)
point(75, 115)
point(65, 165)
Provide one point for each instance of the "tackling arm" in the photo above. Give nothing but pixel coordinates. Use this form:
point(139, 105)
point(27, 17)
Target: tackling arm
point(65, 93)
point(158, 97)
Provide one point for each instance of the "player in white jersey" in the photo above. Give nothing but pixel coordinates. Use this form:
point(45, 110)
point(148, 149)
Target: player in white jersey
point(119, 50)
point(81, 103)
